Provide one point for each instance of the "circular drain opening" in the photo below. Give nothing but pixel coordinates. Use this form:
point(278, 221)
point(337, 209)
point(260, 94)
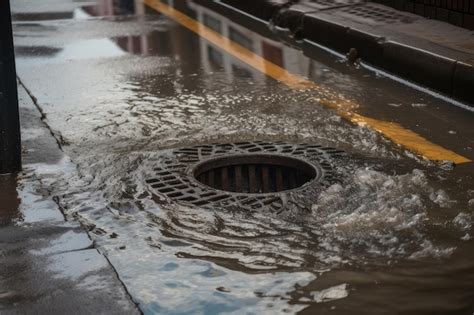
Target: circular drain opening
point(181, 175)
point(254, 173)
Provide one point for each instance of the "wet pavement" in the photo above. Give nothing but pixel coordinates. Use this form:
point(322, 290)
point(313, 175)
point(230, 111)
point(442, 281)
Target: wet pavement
point(121, 85)
point(49, 265)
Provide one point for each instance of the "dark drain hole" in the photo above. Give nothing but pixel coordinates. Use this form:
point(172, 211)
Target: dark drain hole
point(259, 173)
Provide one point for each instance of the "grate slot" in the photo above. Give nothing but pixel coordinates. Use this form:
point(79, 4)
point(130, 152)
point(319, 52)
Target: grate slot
point(254, 173)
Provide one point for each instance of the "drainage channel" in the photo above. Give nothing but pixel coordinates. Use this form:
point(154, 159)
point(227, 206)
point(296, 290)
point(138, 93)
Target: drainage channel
point(246, 175)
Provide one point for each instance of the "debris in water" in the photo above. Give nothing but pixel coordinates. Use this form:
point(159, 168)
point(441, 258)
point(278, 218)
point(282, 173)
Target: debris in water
point(447, 165)
point(333, 293)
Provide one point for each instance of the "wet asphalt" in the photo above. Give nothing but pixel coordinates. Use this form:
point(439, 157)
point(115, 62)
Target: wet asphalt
point(120, 86)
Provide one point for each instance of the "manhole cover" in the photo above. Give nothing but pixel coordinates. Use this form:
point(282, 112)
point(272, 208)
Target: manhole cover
point(245, 175)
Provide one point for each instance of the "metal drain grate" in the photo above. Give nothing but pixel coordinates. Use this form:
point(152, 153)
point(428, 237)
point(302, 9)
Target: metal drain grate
point(245, 175)
point(331, 4)
point(377, 14)
point(255, 173)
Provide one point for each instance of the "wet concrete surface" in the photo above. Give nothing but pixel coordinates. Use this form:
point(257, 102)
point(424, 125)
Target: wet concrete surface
point(394, 237)
point(48, 265)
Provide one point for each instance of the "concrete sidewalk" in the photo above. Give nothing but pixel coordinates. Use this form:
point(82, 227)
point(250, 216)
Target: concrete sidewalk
point(428, 52)
point(48, 265)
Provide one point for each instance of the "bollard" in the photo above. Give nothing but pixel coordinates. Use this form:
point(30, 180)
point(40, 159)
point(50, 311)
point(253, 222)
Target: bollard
point(10, 142)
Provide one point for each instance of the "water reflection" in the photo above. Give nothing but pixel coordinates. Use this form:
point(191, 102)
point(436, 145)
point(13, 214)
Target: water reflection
point(36, 51)
point(110, 8)
point(42, 16)
point(166, 87)
point(9, 201)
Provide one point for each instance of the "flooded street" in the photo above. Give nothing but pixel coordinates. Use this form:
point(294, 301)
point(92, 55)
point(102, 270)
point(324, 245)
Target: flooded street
point(123, 87)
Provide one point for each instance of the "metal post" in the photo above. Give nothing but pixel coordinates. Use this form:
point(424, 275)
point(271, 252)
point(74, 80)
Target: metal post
point(10, 142)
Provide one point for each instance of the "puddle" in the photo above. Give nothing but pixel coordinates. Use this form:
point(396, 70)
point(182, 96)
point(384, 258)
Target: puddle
point(188, 258)
point(395, 223)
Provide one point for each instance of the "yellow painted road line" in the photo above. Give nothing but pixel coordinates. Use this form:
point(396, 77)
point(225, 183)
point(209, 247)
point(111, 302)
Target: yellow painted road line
point(344, 107)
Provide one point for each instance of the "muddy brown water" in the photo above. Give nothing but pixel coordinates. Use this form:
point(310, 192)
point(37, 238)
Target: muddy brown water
point(393, 237)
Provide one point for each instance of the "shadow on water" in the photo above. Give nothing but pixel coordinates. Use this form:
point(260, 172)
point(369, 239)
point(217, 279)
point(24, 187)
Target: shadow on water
point(9, 201)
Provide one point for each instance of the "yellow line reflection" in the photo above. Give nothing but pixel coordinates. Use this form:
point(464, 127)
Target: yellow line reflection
point(344, 107)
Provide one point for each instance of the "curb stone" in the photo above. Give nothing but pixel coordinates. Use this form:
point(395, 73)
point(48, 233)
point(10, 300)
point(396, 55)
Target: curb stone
point(439, 73)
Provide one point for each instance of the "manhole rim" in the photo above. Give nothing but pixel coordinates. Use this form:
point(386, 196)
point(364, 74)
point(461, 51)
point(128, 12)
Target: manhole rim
point(317, 168)
point(172, 178)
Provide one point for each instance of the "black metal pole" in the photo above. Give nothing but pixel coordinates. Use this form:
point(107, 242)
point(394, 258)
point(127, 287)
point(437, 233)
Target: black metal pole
point(10, 143)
